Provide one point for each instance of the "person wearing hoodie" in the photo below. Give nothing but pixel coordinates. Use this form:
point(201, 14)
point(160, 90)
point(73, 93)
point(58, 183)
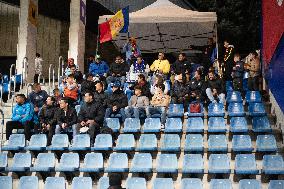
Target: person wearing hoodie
point(38, 67)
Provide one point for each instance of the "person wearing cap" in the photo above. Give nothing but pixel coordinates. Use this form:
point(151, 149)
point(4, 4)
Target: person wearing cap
point(117, 71)
point(98, 67)
point(115, 181)
point(161, 65)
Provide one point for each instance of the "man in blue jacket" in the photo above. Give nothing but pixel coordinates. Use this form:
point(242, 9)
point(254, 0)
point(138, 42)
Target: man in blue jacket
point(99, 67)
point(22, 117)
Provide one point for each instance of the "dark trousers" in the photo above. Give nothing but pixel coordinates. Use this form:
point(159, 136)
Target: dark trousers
point(253, 83)
point(36, 78)
point(27, 126)
point(49, 133)
point(238, 84)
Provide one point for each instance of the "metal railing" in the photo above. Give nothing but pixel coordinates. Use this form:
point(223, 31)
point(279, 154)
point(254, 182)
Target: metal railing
point(41, 76)
point(51, 68)
point(24, 71)
point(10, 81)
point(2, 129)
point(60, 67)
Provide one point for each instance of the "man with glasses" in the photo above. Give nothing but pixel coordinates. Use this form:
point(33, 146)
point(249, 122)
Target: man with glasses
point(161, 65)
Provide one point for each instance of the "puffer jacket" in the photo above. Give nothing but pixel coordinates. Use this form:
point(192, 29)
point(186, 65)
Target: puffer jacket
point(117, 98)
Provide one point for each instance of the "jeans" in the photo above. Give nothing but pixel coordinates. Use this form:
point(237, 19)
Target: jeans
point(93, 130)
point(112, 79)
point(136, 112)
point(209, 94)
point(27, 126)
point(109, 113)
point(151, 110)
point(59, 129)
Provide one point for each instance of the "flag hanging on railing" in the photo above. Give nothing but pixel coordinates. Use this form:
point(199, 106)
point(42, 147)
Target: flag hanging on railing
point(117, 24)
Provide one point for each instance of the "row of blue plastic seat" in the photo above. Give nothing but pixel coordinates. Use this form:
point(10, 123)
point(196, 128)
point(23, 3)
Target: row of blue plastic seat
point(141, 163)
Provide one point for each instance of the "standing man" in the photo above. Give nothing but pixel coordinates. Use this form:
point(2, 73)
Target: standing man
point(228, 60)
point(38, 67)
point(254, 72)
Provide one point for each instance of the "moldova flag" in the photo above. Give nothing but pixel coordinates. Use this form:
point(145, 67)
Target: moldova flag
point(117, 24)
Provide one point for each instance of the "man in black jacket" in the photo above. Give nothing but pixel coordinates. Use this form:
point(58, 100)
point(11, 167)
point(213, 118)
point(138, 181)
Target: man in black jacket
point(215, 88)
point(238, 73)
point(91, 115)
point(66, 117)
point(181, 66)
point(88, 85)
point(196, 87)
point(117, 71)
point(99, 95)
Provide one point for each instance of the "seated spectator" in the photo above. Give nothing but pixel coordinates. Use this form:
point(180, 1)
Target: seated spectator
point(22, 117)
point(99, 95)
point(57, 96)
point(88, 84)
point(66, 117)
point(161, 65)
point(47, 119)
point(71, 90)
point(99, 68)
point(196, 88)
point(117, 71)
point(159, 103)
point(91, 115)
point(78, 76)
point(137, 104)
point(115, 181)
point(179, 90)
point(70, 63)
point(238, 73)
point(38, 97)
point(141, 82)
point(116, 102)
point(215, 89)
point(254, 72)
point(138, 67)
point(158, 80)
point(181, 66)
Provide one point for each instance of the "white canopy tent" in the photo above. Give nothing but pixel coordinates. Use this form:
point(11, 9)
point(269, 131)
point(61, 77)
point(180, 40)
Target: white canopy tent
point(164, 26)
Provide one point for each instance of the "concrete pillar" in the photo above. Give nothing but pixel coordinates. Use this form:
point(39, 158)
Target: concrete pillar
point(77, 32)
point(27, 35)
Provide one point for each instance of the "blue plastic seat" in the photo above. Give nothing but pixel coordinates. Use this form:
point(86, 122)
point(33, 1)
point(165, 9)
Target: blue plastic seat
point(219, 163)
point(152, 125)
point(191, 183)
point(261, 125)
point(173, 125)
point(28, 182)
point(195, 125)
point(81, 142)
point(163, 183)
point(193, 163)
point(118, 162)
point(266, 143)
point(6, 182)
point(175, 110)
point(216, 125)
point(193, 143)
point(21, 163)
point(167, 163)
point(242, 143)
point(113, 123)
point(45, 162)
point(272, 164)
point(249, 184)
point(3, 161)
point(136, 183)
point(37, 142)
point(236, 110)
point(103, 142)
point(256, 109)
point(220, 184)
point(125, 142)
point(93, 162)
point(16, 143)
point(69, 162)
point(55, 183)
point(170, 143)
point(82, 182)
point(147, 142)
point(217, 143)
point(276, 184)
point(253, 97)
point(131, 125)
point(141, 163)
point(234, 96)
point(59, 142)
point(216, 109)
point(18, 79)
point(200, 114)
point(245, 164)
point(103, 183)
point(238, 125)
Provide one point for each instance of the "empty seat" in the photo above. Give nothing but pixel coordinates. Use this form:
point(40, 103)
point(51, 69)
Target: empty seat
point(16, 143)
point(37, 142)
point(276, 184)
point(82, 182)
point(6, 182)
point(103, 183)
point(236, 109)
point(167, 163)
point(55, 183)
point(245, 164)
point(28, 182)
point(193, 163)
point(163, 183)
point(175, 110)
point(3, 161)
point(21, 162)
point(125, 142)
point(261, 124)
point(45, 162)
point(193, 143)
point(141, 163)
point(59, 142)
point(69, 162)
point(266, 143)
point(103, 142)
point(113, 123)
point(253, 97)
point(147, 142)
point(249, 184)
point(216, 125)
point(173, 125)
point(152, 125)
point(136, 183)
point(118, 162)
point(216, 109)
point(81, 142)
point(195, 125)
point(93, 162)
point(220, 184)
point(217, 143)
point(238, 125)
point(200, 114)
point(131, 125)
point(272, 164)
point(234, 96)
point(219, 163)
point(256, 109)
point(170, 143)
point(242, 143)
point(191, 183)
